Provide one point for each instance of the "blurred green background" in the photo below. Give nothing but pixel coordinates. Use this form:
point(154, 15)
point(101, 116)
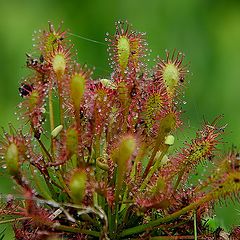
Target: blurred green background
point(208, 32)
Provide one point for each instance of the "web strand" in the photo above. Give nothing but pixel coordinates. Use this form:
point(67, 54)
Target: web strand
point(87, 39)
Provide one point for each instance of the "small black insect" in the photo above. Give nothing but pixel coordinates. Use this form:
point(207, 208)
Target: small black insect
point(38, 64)
point(217, 232)
point(31, 62)
point(133, 52)
point(37, 134)
point(181, 79)
point(133, 92)
point(58, 39)
point(25, 89)
point(41, 58)
point(81, 113)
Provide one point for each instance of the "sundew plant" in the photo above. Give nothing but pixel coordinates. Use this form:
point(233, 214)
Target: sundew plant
point(93, 158)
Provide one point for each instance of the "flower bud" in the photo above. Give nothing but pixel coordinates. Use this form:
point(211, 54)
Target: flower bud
point(162, 160)
point(56, 131)
point(11, 158)
point(77, 87)
point(77, 186)
point(167, 124)
point(169, 140)
point(108, 83)
point(59, 64)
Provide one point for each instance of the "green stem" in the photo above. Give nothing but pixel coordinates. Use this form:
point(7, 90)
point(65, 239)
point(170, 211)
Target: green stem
point(155, 150)
point(76, 230)
point(39, 185)
point(139, 157)
point(195, 225)
point(166, 219)
point(14, 220)
point(178, 179)
point(97, 146)
point(77, 119)
point(124, 199)
point(60, 99)
point(166, 125)
point(115, 217)
point(154, 168)
point(110, 220)
point(45, 150)
point(133, 175)
point(177, 237)
point(51, 114)
point(51, 117)
point(61, 180)
point(50, 186)
point(41, 144)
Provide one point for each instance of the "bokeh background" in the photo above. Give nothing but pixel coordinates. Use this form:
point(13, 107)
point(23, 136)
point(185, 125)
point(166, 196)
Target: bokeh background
point(208, 32)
